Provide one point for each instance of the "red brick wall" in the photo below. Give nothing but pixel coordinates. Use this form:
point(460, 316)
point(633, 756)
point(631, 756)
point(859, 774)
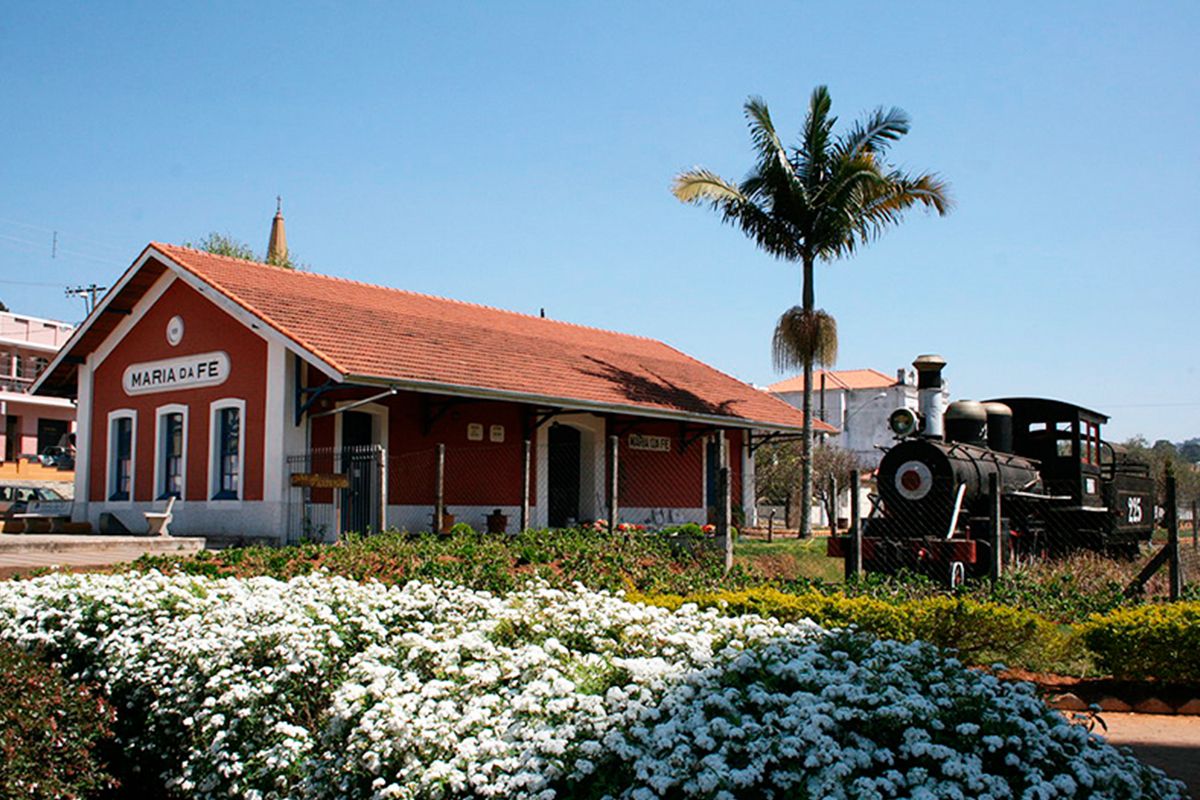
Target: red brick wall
point(662, 480)
point(206, 328)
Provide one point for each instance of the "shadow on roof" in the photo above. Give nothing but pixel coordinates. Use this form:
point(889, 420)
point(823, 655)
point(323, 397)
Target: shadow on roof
point(655, 390)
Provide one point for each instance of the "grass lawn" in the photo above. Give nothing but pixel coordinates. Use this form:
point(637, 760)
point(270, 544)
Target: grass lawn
point(788, 559)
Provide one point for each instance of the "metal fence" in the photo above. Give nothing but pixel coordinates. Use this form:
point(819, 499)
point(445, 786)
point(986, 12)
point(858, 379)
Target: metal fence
point(334, 491)
point(957, 531)
point(565, 478)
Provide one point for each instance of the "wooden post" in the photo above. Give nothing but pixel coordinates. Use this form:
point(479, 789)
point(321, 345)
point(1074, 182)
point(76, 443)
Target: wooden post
point(995, 528)
point(771, 526)
point(439, 508)
point(854, 563)
point(614, 507)
point(1195, 524)
point(723, 516)
point(525, 486)
point(831, 506)
point(1176, 585)
point(381, 454)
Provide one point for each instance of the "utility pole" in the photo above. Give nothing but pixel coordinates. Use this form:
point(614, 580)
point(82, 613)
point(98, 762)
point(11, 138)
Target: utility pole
point(88, 293)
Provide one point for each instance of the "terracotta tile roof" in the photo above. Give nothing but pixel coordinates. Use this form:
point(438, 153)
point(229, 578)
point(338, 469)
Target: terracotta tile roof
point(837, 379)
point(387, 335)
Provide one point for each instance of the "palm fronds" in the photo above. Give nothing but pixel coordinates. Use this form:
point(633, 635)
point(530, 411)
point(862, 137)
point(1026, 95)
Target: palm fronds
point(804, 337)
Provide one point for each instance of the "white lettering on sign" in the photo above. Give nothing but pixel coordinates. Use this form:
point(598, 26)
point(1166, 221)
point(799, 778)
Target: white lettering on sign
point(1133, 506)
point(658, 444)
point(184, 372)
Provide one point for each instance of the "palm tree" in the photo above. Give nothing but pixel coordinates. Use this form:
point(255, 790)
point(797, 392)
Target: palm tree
point(816, 201)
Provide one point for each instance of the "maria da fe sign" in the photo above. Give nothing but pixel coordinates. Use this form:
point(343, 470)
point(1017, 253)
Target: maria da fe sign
point(182, 372)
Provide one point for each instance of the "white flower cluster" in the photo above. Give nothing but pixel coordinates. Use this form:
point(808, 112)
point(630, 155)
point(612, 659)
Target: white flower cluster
point(323, 687)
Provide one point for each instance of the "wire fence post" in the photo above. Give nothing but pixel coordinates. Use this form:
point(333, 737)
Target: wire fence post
point(1195, 524)
point(439, 507)
point(724, 534)
point(381, 456)
point(1176, 587)
point(771, 526)
point(525, 486)
point(854, 561)
point(995, 529)
point(614, 509)
point(831, 505)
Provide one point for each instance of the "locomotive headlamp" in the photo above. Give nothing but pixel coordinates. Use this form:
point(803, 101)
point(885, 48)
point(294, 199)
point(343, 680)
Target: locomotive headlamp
point(903, 422)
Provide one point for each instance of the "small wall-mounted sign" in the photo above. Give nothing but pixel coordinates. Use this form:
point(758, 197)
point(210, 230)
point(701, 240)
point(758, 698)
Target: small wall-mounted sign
point(475, 432)
point(657, 444)
point(496, 433)
point(321, 480)
point(184, 372)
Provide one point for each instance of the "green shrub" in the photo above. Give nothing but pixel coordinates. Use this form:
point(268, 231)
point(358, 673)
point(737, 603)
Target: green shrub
point(1068, 589)
point(647, 562)
point(1150, 641)
point(49, 730)
point(982, 633)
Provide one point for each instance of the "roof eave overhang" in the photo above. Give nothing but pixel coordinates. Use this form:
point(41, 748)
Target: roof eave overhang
point(576, 404)
point(213, 293)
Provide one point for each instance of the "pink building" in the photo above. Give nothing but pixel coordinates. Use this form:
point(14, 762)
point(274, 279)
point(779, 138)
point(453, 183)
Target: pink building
point(31, 423)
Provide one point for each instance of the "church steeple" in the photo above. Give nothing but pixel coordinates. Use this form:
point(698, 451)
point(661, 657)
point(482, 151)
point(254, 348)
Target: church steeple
point(277, 252)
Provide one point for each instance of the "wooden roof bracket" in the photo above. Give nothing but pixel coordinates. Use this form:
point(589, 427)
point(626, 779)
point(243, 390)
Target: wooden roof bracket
point(777, 436)
point(432, 411)
point(303, 404)
point(689, 434)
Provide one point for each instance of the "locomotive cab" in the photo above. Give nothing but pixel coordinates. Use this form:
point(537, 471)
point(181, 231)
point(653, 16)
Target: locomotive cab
point(1065, 439)
point(1098, 498)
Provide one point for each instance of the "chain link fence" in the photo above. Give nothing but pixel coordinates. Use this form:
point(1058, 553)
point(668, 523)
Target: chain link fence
point(1119, 523)
point(563, 478)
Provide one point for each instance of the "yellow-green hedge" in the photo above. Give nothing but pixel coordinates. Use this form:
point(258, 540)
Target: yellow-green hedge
point(1150, 641)
point(980, 632)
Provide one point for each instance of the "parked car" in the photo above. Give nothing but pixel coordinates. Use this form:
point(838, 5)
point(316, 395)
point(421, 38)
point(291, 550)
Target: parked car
point(55, 456)
point(16, 499)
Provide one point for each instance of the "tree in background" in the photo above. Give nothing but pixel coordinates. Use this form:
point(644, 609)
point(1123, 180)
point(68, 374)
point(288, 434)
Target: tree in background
point(778, 475)
point(222, 244)
point(1161, 456)
point(816, 201)
point(2, 306)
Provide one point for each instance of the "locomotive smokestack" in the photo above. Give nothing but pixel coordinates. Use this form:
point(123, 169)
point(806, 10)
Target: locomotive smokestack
point(929, 389)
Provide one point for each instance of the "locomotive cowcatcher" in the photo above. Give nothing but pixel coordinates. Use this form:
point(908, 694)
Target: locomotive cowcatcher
point(1062, 487)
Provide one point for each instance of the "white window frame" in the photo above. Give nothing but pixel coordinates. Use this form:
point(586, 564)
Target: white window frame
point(214, 449)
point(110, 473)
point(159, 465)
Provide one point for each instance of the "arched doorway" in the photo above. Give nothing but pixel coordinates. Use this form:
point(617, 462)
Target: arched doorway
point(563, 475)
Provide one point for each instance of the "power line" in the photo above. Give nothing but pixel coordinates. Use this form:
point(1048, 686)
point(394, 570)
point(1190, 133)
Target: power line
point(34, 283)
point(88, 293)
point(56, 231)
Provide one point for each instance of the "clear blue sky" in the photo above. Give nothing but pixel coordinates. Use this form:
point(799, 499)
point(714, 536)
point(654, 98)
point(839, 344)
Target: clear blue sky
point(520, 155)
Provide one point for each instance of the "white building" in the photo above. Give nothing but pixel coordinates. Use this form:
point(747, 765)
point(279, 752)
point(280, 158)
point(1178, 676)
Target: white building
point(858, 402)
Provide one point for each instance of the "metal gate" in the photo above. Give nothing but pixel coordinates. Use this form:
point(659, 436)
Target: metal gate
point(335, 491)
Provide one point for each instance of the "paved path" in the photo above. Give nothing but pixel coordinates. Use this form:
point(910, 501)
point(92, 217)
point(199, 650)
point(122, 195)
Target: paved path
point(1166, 741)
point(20, 553)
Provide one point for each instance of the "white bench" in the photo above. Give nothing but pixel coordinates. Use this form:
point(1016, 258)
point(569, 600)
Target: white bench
point(157, 521)
point(56, 512)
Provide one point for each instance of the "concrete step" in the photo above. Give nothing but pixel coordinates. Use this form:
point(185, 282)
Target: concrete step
point(65, 543)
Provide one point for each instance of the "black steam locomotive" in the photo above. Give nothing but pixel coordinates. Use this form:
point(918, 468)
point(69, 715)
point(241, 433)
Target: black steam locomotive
point(1061, 487)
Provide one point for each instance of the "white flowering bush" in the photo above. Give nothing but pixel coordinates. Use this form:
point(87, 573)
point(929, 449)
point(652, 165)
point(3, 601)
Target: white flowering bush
point(323, 687)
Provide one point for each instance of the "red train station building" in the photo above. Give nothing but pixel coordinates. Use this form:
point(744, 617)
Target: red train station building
point(277, 403)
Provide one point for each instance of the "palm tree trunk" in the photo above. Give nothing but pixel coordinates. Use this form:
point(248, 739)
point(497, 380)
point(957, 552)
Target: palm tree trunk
point(806, 470)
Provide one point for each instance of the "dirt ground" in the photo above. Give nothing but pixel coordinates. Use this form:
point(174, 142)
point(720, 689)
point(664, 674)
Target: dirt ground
point(1169, 742)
